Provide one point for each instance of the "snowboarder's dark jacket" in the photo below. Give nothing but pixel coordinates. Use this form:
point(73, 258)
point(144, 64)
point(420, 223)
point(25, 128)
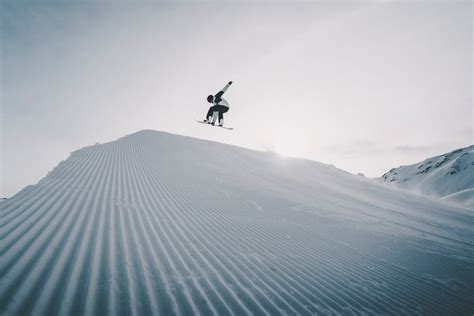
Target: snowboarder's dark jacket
point(219, 100)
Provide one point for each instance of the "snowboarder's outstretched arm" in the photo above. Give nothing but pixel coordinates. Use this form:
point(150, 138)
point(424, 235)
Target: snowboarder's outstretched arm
point(220, 93)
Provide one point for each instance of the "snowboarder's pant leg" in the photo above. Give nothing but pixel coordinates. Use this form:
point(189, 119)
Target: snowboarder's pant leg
point(215, 114)
point(222, 110)
point(210, 112)
point(217, 108)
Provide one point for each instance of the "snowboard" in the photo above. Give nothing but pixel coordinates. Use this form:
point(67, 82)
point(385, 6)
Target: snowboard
point(202, 122)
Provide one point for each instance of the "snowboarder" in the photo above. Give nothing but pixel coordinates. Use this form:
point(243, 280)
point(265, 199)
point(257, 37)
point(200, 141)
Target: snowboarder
point(220, 107)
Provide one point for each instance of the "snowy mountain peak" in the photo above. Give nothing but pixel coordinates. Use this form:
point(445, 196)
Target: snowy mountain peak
point(443, 176)
point(160, 224)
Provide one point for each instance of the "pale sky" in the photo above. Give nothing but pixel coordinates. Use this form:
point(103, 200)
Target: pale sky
point(363, 85)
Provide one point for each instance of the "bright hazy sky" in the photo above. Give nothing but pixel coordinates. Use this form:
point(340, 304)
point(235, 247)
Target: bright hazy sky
point(363, 85)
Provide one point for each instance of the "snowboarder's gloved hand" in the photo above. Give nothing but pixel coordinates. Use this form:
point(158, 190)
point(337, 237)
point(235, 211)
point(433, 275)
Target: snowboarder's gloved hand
point(230, 82)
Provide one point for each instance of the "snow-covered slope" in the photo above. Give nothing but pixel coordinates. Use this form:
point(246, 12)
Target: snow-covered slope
point(156, 223)
point(449, 176)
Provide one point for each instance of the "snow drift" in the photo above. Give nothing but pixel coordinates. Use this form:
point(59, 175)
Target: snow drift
point(156, 223)
point(449, 176)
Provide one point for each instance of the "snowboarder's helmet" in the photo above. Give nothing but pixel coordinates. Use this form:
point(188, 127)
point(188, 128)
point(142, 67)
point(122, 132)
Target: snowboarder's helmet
point(210, 98)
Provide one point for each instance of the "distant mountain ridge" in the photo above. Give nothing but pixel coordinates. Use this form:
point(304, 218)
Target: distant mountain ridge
point(449, 176)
